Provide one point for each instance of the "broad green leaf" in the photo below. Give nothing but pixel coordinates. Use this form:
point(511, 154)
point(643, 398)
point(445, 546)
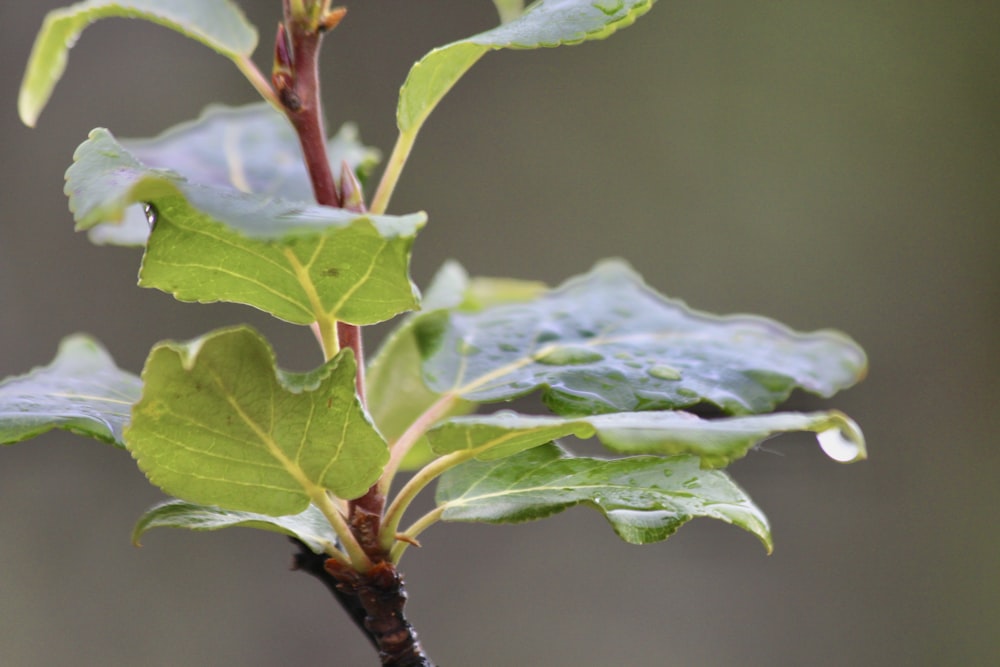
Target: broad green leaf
point(81, 391)
point(218, 24)
point(645, 498)
point(716, 442)
point(397, 394)
point(605, 342)
point(545, 23)
point(219, 425)
point(300, 262)
point(310, 527)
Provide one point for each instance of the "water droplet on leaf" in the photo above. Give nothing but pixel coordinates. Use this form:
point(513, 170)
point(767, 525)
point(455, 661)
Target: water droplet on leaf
point(151, 214)
point(664, 372)
point(565, 355)
point(546, 336)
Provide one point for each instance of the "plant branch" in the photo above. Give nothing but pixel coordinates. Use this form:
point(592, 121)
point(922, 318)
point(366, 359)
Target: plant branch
point(380, 592)
point(368, 587)
point(296, 80)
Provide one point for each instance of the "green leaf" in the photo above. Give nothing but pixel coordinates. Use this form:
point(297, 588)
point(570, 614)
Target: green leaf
point(300, 262)
point(218, 24)
point(219, 425)
point(716, 442)
point(310, 527)
point(545, 23)
point(81, 391)
point(645, 498)
point(252, 149)
point(397, 394)
point(605, 342)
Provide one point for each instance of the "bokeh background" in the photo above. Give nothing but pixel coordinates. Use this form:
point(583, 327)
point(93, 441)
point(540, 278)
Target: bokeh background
point(825, 164)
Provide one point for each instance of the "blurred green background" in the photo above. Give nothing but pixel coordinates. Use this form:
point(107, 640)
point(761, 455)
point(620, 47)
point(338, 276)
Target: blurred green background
point(825, 164)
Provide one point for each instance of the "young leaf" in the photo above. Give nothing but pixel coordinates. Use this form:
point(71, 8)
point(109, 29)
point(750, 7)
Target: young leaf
point(218, 24)
point(309, 527)
point(716, 442)
point(605, 342)
point(80, 391)
point(397, 394)
point(645, 498)
point(543, 24)
point(219, 425)
point(300, 262)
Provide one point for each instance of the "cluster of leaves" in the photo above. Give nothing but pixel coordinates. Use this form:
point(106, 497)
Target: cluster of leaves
point(222, 209)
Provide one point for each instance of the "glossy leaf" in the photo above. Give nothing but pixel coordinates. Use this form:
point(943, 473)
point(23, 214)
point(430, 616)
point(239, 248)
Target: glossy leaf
point(81, 391)
point(605, 342)
point(218, 24)
point(544, 24)
point(397, 394)
point(300, 262)
point(310, 527)
point(219, 425)
point(716, 442)
point(251, 148)
point(645, 498)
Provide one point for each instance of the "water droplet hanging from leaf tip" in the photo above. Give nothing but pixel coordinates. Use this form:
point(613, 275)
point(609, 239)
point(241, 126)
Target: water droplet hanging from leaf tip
point(839, 446)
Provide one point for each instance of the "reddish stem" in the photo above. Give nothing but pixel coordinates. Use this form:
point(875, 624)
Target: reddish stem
point(302, 103)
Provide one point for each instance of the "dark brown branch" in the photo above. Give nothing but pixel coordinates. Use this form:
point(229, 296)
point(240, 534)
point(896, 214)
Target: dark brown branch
point(381, 593)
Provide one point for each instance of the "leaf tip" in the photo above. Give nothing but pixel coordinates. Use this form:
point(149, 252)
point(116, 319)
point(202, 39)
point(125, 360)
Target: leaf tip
point(27, 110)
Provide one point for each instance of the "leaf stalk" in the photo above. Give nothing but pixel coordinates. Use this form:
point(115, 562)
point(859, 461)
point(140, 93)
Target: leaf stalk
point(412, 488)
point(393, 170)
point(411, 436)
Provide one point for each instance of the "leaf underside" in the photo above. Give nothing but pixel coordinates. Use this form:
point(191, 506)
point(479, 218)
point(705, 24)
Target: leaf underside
point(219, 425)
point(716, 442)
point(645, 498)
point(218, 24)
point(310, 527)
point(300, 262)
point(80, 391)
point(605, 342)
